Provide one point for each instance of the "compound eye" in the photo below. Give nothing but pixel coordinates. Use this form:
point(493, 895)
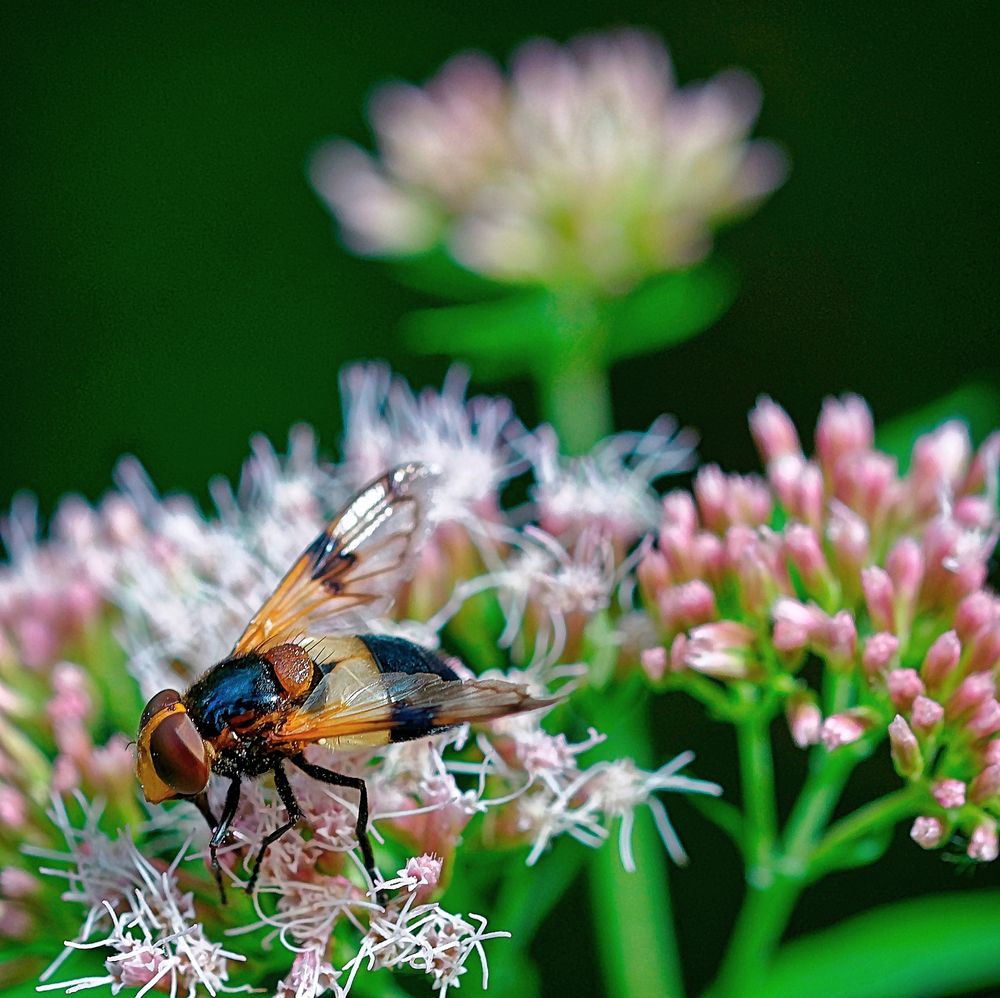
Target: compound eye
point(178, 752)
point(162, 700)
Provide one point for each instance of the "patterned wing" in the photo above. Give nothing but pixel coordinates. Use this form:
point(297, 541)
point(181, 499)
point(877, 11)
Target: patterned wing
point(348, 702)
point(356, 564)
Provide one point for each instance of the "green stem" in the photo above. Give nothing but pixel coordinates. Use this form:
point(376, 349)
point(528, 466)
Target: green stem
point(633, 923)
point(886, 811)
point(757, 785)
point(573, 379)
point(758, 929)
point(773, 889)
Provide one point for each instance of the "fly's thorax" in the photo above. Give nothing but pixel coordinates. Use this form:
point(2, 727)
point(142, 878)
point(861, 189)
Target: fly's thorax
point(233, 693)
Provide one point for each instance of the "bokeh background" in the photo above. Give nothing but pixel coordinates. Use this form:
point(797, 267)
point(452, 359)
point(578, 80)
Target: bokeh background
point(172, 285)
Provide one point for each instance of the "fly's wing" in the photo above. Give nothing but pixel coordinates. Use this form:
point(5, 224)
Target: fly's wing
point(402, 705)
point(357, 563)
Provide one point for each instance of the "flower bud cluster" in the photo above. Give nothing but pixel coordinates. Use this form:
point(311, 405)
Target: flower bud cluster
point(879, 575)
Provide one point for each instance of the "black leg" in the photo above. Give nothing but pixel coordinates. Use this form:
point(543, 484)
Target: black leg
point(284, 789)
point(220, 828)
point(355, 783)
point(201, 802)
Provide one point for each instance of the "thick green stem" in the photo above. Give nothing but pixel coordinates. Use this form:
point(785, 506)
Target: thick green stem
point(758, 929)
point(773, 889)
point(573, 379)
point(757, 785)
point(633, 923)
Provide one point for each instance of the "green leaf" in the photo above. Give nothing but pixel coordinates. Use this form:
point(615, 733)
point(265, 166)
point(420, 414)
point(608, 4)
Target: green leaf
point(504, 338)
point(669, 309)
point(977, 403)
point(529, 331)
point(927, 947)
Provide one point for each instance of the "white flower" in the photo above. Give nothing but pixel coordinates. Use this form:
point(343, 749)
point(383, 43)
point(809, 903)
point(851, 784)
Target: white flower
point(466, 440)
point(609, 489)
point(428, 939)
point(588, 164)
point(148, 924)
point(618, 788)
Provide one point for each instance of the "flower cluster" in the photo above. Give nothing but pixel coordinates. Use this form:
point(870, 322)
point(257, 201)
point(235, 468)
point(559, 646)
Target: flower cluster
point(878, 575)
point(586, 166)
point(516, 592)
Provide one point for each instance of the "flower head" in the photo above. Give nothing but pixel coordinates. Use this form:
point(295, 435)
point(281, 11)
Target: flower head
point(587, 164)
point(877, 575)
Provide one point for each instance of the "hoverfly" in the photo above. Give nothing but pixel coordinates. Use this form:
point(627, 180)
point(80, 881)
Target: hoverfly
point(283, 687)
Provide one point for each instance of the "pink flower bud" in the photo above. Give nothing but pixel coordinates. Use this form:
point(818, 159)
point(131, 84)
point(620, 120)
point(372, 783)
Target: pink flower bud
point(985, 721)
point(879, 651)
point(678, 652)
point(975, 613)
point(681, 554)
point(679, 511)
point(804, 720)
point(905, 563)
point(654, 576)
point(984, 650)
point(904, 687)
point(838, 642)
point(845, 426)
point(986, 785)
point(950, 794)
point(991, 753)
point(811, 497)
point(926, 714)
point(724, 500)
point(722, 649)
point(984, 464)
point(798, 484)
point(877, 587)
point(772, 430)
point(938, 463)
point(842, 729)
point(684, 606)
point(973, 692)
point(16, 883)
point(927, 832)
point(712, 494)
point(867, 482)
point(796, 624)
point(709, 553)
point(975, 513)
point(850, 538)
point(803, 550)
point(941, 659)
point(13, 808)
point(654, 662)
point(906, 755)
point(983, 843)
point(36, 640)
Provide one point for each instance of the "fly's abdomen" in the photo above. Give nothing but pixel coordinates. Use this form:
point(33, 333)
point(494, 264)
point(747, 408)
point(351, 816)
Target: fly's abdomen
point(393, 654)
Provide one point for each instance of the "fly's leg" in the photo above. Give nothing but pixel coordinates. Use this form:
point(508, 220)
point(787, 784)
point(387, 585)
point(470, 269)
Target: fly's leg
point(361, 829)
point(284, 789)
point(220, 828)
point(201, 802)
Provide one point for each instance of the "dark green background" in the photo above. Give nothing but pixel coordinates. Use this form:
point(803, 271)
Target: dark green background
point(171, 285)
